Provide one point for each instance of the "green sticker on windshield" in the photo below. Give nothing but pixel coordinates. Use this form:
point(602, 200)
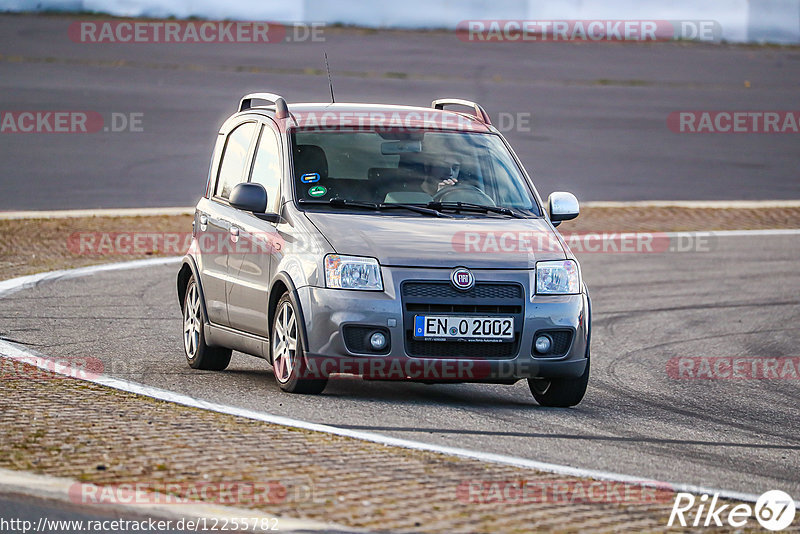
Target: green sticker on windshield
point(317, 191)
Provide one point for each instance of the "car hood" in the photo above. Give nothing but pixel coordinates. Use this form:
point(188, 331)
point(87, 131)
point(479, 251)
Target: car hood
point(411, 241)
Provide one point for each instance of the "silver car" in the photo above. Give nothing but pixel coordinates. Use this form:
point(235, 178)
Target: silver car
point(392, 242)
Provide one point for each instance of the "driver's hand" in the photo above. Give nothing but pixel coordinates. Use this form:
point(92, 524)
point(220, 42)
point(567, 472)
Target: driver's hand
point(447, 182)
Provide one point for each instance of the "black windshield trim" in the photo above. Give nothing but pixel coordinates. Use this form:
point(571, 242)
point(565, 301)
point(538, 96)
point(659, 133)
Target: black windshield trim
point(469, 206)
point(346, 203)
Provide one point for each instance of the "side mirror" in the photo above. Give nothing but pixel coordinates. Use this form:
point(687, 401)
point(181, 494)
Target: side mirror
point(563, 207)
point(249, 197)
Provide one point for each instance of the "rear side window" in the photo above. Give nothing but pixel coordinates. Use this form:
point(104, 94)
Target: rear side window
point(234, 159)
point(267, 167)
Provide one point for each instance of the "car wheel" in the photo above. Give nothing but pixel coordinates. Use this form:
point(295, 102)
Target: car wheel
point(198, 354)
point(560, 392)
point(288, 362)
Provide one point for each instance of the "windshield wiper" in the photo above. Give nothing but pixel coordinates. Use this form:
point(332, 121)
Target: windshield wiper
point(418, 209)
point(339, 202)
point(468, 206)
point(346, 203)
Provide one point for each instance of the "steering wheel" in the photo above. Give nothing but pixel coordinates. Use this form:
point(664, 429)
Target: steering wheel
point(463, 193)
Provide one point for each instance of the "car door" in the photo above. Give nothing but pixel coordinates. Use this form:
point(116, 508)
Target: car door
point(213, 224)
point(249, 266)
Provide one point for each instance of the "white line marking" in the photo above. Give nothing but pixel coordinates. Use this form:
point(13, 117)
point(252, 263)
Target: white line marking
point(143, 212)
point(699, 233)
point(695, 204)
point(15, 284)
point(16, 352)
point(121, 212)
point(732, 233)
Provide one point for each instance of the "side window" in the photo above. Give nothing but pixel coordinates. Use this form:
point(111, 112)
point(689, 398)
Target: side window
point(267, 167)
point(234, 159)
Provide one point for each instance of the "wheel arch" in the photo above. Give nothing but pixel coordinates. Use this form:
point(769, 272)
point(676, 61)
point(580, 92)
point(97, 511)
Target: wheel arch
point(189, 268)
point(588, 322)
point(282, 283)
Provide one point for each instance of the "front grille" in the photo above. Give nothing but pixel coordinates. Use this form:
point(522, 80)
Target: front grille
point(460, 349)
point(478, 309)
point(439, 290)
point(434, 297)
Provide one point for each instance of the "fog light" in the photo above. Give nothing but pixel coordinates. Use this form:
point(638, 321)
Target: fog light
point(543, 344)
point(378, 341)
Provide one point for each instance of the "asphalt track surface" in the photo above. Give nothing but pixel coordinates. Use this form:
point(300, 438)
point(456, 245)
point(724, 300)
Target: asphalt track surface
point(597, 111)
point(735, 434)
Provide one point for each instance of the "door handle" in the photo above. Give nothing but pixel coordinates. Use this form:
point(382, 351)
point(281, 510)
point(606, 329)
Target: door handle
point(234, 234)
point(203, 223)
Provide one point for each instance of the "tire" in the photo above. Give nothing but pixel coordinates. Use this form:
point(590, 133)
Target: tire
point(288, 362)
point(560, 392)
point(198, 354)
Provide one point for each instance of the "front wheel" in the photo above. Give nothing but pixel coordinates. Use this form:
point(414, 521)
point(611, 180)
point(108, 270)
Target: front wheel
point(198, 354)
point(288, 362)
point(560, 392)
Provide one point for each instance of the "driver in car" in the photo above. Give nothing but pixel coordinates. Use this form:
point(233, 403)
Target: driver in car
point(439, 175)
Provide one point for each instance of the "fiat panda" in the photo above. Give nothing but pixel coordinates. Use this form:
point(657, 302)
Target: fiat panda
point(391, 242)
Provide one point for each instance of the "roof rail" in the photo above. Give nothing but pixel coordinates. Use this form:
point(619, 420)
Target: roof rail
point(480, 113)
point(281, 109)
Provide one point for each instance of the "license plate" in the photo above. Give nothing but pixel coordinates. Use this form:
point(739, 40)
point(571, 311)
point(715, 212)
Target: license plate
point(450, 327)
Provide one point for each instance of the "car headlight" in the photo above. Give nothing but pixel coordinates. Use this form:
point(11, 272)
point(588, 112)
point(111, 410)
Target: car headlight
point(558, 277)
point(352, 272)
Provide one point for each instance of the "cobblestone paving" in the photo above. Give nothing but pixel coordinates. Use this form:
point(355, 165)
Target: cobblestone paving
point(104, 437)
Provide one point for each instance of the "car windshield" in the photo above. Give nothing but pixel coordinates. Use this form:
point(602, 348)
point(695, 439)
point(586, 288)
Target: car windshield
point(444, 170)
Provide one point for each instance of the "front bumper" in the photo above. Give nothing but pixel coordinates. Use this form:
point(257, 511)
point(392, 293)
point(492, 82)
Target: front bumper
point(328, 312)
